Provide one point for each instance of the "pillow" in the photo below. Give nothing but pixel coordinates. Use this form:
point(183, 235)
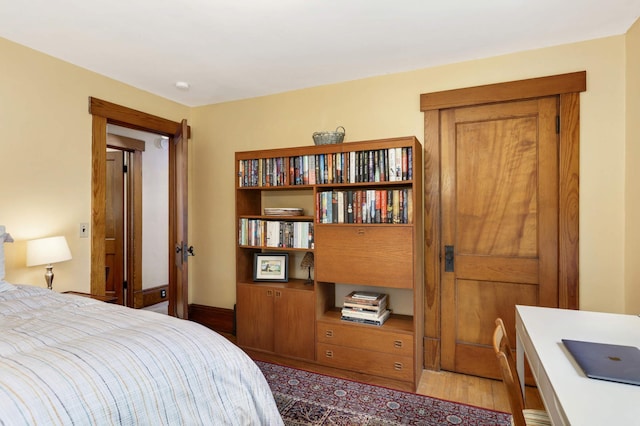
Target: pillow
point(4, 238)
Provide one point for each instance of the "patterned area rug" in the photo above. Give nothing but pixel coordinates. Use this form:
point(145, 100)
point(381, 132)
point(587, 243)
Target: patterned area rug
point(306, 398)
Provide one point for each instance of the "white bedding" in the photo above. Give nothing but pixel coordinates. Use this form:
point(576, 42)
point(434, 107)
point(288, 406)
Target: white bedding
point(70, 360)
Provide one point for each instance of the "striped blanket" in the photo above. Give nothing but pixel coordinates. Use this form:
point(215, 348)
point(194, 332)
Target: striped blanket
point(70, 360)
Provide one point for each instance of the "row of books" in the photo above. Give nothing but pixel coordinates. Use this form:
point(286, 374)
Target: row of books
point(365, 206)
point(381, 165)
point(365, 308)
point(272, 233)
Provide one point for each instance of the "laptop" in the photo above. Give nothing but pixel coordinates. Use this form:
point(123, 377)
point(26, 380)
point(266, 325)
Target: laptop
point(604, 361)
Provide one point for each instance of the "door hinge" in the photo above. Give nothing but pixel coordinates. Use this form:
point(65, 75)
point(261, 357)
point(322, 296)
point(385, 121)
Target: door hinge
point(557, 124)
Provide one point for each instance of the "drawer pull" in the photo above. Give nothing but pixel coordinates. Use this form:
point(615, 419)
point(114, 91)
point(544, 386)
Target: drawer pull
point(278, 293)
point(328, 333)
point(398, 366)
point(397, 344)
point(360, 231)
point(269, 293)
point(328, 354)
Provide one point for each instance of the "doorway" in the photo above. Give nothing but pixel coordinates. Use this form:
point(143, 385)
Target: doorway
point(105, 113)
point(137, 220)
point(463, 294)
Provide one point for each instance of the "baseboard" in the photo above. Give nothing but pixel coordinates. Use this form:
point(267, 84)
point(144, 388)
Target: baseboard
point(218, 319)
point(151, 296)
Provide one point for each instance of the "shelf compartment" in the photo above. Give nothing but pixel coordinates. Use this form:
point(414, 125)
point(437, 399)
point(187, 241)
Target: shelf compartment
point(264, 248)
point(273, 233)
point(396, 323)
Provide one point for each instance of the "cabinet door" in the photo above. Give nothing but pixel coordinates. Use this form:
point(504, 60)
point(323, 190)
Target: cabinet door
point(373, 255)
point(294, 331)
point(254, 310)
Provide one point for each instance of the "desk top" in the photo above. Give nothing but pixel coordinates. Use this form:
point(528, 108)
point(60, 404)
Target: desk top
point(583, 401)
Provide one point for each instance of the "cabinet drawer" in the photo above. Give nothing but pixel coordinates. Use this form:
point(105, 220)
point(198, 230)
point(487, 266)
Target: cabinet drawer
point(365, 361)
point(379, 255)
point(371, 339)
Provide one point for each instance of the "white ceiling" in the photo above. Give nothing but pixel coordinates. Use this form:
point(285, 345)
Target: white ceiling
point(234, 49)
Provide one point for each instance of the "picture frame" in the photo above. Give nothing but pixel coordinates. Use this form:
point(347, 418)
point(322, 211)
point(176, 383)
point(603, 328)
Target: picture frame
point(271, 267)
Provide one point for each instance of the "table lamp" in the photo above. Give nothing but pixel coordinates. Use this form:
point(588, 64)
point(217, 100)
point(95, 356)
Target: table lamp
point(45, 251)
point(307, 262)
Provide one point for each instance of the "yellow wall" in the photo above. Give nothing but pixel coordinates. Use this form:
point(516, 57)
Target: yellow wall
point(632, 212)
point(45, 155)
point(389, 106)
point(45, 101)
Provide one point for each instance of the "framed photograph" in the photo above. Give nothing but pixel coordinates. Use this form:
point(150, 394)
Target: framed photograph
point(271, 267)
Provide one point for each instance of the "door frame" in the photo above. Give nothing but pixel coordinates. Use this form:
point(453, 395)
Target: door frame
point(133, 223)
point(103, 113)
point(567, 87)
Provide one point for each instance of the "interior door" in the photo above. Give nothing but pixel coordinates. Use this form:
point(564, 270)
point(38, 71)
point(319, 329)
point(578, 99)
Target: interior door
point(499, 197)
point(179, 271)
point(114, 226)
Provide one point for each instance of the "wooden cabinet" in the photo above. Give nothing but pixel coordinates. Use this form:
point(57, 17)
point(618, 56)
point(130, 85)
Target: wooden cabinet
point(363, 215)
point(276, 319)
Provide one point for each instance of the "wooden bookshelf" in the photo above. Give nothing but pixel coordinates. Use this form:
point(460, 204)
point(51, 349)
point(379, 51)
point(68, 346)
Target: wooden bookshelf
point(371, 237)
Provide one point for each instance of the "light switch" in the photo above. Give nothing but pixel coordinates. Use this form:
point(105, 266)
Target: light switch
point(84, 230)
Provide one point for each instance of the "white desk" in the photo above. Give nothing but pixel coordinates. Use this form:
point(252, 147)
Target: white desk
point(569, 396)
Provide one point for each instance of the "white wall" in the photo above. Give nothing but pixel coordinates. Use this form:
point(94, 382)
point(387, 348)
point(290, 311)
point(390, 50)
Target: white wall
point(155, 207)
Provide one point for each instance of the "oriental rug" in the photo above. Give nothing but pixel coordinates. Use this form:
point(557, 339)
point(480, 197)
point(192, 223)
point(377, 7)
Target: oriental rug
point(306, 398)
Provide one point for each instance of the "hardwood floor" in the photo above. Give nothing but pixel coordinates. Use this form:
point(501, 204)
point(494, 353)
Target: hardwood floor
point(472, 390)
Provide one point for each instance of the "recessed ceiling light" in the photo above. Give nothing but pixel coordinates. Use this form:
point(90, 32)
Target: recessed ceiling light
point(182, 85)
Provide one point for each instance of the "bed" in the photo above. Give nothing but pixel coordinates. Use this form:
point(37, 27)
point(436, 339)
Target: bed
point(67, 359)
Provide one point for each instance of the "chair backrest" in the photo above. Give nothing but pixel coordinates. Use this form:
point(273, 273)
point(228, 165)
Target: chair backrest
point(509, 374)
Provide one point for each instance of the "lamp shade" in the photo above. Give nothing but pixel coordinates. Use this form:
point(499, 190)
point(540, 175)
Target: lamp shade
point(47, 250)
point(307, 260)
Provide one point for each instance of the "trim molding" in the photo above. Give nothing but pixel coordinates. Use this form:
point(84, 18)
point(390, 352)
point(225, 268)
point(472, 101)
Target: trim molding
point(218, 319)
point(540, 87)
point(151, 296)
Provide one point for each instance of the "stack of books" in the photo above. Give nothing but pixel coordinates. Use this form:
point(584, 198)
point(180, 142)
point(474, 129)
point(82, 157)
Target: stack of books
point(365, 307)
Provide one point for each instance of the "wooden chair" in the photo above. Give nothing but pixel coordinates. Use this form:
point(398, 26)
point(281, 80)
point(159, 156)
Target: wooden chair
point(520, 415)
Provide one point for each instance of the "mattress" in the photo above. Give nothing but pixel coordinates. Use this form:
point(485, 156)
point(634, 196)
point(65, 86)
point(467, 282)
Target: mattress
point(68, 359)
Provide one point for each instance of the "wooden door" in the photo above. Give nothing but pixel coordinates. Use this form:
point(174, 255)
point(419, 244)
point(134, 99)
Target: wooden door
point(499, 201)
point(179, 271)
point(255, 317)
point(114, 226)
point(294, 323)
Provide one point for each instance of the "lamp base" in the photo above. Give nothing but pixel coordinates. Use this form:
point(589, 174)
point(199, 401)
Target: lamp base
point(309, 281)
point(48, 276)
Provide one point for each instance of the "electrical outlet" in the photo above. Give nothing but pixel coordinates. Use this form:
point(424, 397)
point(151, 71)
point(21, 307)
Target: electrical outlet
point(163, 293)
point(84, 230)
